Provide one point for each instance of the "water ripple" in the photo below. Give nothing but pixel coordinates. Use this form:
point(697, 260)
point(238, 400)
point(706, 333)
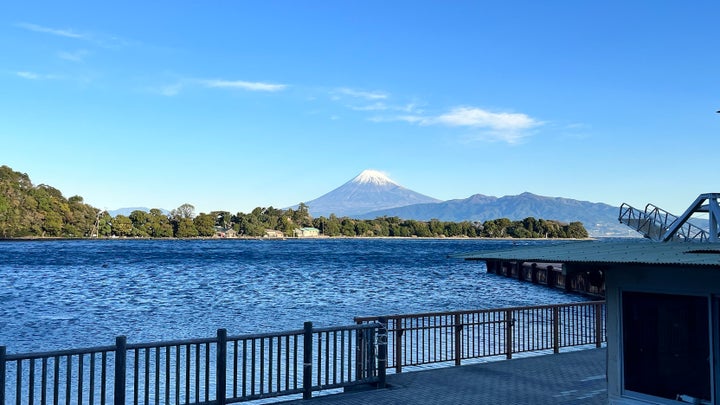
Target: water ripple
point(62, 294)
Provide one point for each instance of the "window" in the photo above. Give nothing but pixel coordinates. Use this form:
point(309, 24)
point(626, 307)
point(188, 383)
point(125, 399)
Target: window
point(666, 345)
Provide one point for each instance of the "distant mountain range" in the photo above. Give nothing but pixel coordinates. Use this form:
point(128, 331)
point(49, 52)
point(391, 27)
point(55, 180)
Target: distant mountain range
point(599, 219)
point(372, 194)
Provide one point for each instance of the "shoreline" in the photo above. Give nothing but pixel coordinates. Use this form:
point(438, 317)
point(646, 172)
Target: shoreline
point(259, 238)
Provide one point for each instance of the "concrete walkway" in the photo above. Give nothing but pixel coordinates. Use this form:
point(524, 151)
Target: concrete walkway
point(566, 378)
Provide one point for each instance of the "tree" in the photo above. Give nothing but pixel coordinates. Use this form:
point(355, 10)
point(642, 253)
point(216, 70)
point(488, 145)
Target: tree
point(576, 230)
point(222, 218)
point(517, 230)
point(205, 224)
point(380, 227)
point(332, 226)
point(301, 217)
point(249, 225)
point(420, 229)
point(159, 225)
point(496, 228)
point(287, 226)
point(452, 229)
point(185, 228)
point(53, 224)
point(435, 227)
point(122, 226)
point(104, 225)
point(183, 211)
point(531, 225)
point(363, 228)
point(141, 223)
point(347, 227)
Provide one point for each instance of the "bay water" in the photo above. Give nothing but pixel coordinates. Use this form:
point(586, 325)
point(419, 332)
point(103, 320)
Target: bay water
point(64, 294)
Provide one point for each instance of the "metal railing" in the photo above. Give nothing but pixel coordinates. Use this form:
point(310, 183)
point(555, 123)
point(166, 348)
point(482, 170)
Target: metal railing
point(641, 222)
point(229, 369)
point(685, 232)
point(218, 370)
point(420, 339)
point(654, 223)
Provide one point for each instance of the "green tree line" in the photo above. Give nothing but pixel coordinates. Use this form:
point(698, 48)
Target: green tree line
point(42, 211)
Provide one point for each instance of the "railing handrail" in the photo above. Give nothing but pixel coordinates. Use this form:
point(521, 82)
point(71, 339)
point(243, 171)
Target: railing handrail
point(181, 342)
point(169, 343)
point(58, 353)
point(348, 327)
point(295, 332)
point(184, 342)
point(472, 311)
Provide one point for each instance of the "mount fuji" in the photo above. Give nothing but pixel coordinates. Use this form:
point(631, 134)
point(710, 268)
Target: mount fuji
point(371, 190)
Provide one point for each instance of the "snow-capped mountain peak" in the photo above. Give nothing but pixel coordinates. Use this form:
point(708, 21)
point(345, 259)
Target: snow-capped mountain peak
point(373, 177)
point(371, 190)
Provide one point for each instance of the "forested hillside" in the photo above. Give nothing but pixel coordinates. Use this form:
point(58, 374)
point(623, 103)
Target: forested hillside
point(42, 211)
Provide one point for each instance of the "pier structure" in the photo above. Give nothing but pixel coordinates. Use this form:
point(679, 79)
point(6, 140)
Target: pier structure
point(589, 282)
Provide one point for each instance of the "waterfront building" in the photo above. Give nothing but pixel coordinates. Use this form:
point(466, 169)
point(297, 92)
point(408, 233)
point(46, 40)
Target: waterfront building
point(272, 233)
point(663, 314)
point(307, 232)
point(221, 232)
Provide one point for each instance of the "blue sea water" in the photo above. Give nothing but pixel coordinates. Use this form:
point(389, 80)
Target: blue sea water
point(80, 293)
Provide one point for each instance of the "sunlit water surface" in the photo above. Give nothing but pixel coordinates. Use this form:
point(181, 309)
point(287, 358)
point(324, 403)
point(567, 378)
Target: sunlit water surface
point(71, 294)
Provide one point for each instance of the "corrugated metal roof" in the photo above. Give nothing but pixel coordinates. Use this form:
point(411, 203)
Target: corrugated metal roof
point(601, 252)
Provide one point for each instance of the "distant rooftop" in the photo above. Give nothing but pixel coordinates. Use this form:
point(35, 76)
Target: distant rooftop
point(601, 252)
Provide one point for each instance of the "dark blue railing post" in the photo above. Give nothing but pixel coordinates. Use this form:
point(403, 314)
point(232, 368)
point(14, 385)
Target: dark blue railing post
point(556, 329)
point(221, 366)
point(509, 323)
point(598, 325)
point(307, 360)
point(458, 339)
point(382, 341)
point(2, 375)
point(120, 360)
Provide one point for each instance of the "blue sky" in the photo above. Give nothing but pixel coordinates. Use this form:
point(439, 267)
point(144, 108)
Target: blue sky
point(230, 105)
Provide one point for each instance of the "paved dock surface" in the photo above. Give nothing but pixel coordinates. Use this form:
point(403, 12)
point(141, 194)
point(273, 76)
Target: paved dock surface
point(566, 378)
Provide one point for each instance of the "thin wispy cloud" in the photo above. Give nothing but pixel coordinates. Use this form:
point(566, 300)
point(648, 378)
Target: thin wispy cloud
point(413, 119)
point(573, 131)
point(77, 56)
point(492, 126)
point(243, 85)
point(171, 90)
point(67, 33)
point(477, 117)
point(180, 85)
point(368, 95)
point(371, 107)
point(35, 76)
point(380, 106)
point(487, 125)
point(99, 39)
point(412, 107)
